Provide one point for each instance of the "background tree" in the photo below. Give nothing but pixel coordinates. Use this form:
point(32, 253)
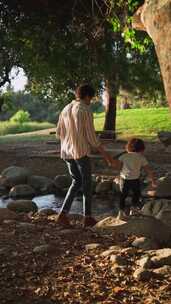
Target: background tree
point(58, 43)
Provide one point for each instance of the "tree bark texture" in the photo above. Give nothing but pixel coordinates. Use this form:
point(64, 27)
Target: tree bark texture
point(155, 18)
point(110, 109)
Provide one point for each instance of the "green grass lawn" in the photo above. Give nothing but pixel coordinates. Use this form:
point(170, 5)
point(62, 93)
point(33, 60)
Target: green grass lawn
point(144, 122)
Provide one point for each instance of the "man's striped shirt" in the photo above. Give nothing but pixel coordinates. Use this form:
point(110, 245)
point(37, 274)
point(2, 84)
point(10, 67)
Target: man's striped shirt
point(76, 130)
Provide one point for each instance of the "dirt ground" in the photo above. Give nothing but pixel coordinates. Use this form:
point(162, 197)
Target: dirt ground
point(64, 271)
point(29, 154)
point(44, 159)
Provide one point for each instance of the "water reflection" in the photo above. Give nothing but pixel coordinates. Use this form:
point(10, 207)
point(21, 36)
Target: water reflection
point(48, 201)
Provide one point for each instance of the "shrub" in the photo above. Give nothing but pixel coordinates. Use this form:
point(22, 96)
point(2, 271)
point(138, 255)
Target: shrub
point(20, 117)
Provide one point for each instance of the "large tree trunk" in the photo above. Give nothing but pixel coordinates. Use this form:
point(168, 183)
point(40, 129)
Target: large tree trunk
point(155, 18)
point(110, 110)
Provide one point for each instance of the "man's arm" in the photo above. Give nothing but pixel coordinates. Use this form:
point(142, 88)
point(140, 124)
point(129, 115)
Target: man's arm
point(59, 127)
point(108, 158)
point(92, 138)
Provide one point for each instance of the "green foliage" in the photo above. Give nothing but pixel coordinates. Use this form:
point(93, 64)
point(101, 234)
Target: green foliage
point(20, 117)
point(39, 108)
point(9, 127)
point(72, 43)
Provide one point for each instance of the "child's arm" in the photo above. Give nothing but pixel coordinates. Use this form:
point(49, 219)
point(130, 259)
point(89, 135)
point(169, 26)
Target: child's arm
point(151, 175)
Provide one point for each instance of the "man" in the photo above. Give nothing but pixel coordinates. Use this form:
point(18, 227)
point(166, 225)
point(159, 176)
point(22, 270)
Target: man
point(77, 134)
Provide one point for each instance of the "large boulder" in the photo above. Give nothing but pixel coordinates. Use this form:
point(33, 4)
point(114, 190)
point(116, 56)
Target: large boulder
point(14, 175)
point(153, 208)
point(161, 257)
point(163, 188)
point(22, 191)
point(148, 227)
point(41, 184)
point(62, 181)
point(22, 206)
point(160, 209)
point(104, 186)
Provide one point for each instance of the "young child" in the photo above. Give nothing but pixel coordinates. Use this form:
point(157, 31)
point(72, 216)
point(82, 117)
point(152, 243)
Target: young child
point(130, 165)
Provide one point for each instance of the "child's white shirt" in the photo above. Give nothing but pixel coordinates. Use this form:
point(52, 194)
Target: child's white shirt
point(132, 164)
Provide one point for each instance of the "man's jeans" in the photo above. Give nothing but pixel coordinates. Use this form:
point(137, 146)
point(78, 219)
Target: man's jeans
point(80, 171)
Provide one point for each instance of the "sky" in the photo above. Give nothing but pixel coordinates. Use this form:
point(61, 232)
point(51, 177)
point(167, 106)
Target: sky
point(18, 80)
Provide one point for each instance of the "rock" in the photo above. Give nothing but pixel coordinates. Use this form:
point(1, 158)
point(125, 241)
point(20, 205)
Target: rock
point(142, 274)
point(160, 209)
point(41, 184)
point(165, 216)
point(152, 208)
point(163, 188)
point(47, 211)
point(118, 260)
point(22, 206)
point(3, 189)
point(140, 227)
point(6, 214)
point(15, 175)
point(161, 257)
point(108, 221)
point(115, 248)
point(22, 191)
point(42, 249)
point(103, 186)
point(152, 300)
point(145, 262)
point(92, 246)
point(62, 181)
point(129, 251)
point(145, 243)
point(165, 270)
point(108, 252)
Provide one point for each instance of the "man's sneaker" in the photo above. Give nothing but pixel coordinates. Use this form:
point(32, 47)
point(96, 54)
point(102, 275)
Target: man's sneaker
point(63, 220)
point(122, 216)
point(89, 221)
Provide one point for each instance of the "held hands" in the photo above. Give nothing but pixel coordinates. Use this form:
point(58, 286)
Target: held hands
point(109, 160)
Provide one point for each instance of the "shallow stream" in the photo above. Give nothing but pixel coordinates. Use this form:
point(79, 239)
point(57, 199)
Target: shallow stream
point(99, 205)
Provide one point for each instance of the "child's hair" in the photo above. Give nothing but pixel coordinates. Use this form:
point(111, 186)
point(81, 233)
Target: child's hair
point(85, 90)
point(135, 145)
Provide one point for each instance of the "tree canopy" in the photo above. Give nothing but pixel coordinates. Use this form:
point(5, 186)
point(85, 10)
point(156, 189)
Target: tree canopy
point(60, 43)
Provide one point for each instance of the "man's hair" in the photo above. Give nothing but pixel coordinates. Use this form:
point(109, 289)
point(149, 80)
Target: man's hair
point(85, 90)
point(135, 145)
